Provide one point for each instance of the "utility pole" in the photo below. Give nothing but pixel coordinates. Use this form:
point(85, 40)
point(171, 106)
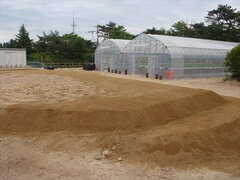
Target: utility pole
point(97, 33)
point(73, 24)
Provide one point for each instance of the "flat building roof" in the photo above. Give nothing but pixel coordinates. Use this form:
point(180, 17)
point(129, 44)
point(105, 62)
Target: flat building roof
point(13, 49)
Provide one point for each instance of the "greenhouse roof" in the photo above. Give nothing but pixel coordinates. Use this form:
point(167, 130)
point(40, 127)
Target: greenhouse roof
point(174, 41)
point(121, 43)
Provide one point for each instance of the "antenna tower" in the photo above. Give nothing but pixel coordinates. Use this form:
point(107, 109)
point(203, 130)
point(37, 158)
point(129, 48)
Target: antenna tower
point(73, 24)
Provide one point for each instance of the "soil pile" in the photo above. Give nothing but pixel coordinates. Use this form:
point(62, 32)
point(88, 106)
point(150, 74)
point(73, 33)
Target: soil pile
point(96, 114)
point(146, 122)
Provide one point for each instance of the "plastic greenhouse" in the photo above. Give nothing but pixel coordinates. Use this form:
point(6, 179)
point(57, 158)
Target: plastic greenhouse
point(109, 53)
point(174, 57)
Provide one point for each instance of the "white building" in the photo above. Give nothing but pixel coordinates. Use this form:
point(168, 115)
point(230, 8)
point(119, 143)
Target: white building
point(12, 58)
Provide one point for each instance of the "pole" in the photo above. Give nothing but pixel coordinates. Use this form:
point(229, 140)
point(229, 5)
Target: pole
point(97, 36)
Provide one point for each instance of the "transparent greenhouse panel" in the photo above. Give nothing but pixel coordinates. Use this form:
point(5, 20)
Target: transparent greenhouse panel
point(108, 54)
point(165, 56)
point(177, 57)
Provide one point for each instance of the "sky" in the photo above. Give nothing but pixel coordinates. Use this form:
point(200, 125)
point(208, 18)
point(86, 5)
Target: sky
point(40, 16)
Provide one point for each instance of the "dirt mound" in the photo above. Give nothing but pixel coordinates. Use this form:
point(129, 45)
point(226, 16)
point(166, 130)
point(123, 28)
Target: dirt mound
point(198, 147)
point(146, 122)
point(204, 139)
point(95, 114)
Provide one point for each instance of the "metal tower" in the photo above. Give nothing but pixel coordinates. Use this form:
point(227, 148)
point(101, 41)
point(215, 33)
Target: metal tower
point(73, 24)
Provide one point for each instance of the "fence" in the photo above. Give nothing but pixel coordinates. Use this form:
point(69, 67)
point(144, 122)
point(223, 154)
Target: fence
point(37, 64)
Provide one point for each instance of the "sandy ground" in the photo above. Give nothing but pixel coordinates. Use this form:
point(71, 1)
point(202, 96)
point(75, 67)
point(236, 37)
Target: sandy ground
point(40, 88)
point(229, 88)
point(27, 158)
point(73, 124)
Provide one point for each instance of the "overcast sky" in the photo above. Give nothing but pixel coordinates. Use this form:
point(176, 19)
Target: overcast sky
point(135, 15)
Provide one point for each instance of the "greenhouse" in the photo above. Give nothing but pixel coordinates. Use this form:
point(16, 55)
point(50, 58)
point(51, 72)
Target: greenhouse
point(109, 53)
point(174, 57)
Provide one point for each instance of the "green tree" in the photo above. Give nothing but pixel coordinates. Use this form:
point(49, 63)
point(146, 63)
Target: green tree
point(23, 40)
point(120, 32)
point(232, 62)
point(111, 30)
point(199, 30)
point(66, 48)
point(105, 30)
point(224, 23)
point(161, 31)
point(10, 44)
point(181, 28)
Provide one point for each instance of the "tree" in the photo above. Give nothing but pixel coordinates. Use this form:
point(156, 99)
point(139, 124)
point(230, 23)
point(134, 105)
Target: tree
point(105, 30)
point(224, 23)
point(232, 62)
point(111, 30)
point(181, 28)
point(23, 40)
point(199, 30)
point(10, 44)
point(161, 31)
point(224, 15)
point(120, 32)
point(69, 47)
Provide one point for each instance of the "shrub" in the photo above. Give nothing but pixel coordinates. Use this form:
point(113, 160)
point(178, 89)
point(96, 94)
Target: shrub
point(232, 62)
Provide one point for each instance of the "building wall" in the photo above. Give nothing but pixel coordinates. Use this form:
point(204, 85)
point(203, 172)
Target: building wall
point(12, 58)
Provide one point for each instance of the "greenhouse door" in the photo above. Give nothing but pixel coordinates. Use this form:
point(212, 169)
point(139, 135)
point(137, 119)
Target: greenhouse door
point(105, 62)
point(141, 65)
point(152, 64)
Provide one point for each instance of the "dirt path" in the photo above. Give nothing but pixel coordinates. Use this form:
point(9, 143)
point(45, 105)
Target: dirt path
point(217, 85)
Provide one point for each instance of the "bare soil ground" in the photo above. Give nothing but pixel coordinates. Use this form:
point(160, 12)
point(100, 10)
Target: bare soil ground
point(222, 87)
point(88, 125)
point(17, 88)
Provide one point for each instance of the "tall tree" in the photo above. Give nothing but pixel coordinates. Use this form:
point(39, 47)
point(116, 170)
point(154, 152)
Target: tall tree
point(69, 47)
point(181, 28)
point(225, 16)
point(111, 30)
point(224, 23)
point(199, 30)
point(161, 31)
point(23, 40)
point(120, 32)
point(10, 44)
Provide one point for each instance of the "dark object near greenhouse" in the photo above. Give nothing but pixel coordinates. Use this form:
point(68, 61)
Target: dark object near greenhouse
point(49, 67)
point(89, 66)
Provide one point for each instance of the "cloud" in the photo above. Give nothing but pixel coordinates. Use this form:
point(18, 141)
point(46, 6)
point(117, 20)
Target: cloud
point(136, 15)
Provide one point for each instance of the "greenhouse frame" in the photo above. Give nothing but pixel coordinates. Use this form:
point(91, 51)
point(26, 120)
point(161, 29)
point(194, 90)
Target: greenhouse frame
point(109, 53)
point(174, 57)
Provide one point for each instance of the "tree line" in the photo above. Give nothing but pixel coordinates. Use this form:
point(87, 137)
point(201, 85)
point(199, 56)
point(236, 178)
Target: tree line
point(222, 23)
point(53, 47)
